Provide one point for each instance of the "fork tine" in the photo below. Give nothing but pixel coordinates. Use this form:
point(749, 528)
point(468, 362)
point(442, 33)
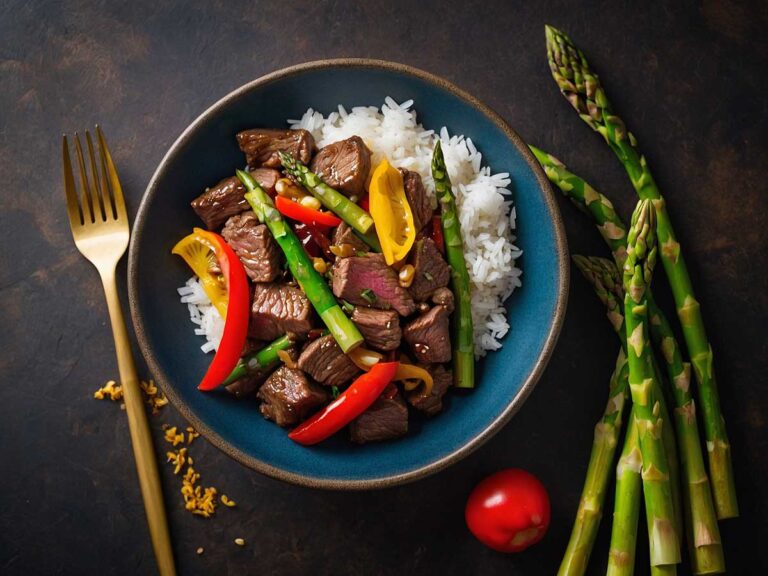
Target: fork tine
point(97, 194)
point(73, 207)
point(117, 190)
point(86, 203)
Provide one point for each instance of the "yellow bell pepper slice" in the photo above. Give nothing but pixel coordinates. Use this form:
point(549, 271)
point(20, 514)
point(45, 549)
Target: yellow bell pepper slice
point(391, 213)
point(409, 374)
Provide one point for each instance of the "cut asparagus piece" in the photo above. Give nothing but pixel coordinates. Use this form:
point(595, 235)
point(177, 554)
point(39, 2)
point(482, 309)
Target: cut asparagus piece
point(583, 89)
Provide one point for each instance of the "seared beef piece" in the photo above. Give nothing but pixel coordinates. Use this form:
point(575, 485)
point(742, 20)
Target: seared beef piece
point(368, 281)
point(443, 297)
point(277, 309)
point(344, 165)
point(432, 403)
point(380, 328)
point(288, 396)
point(385, 419)
point(251, 382)
point(428, 336)
point(261, 146)
point(254, 245)
point(344, 234)
point(226, 199)
point(420, 204)
point(430, 270)
point(325, 362)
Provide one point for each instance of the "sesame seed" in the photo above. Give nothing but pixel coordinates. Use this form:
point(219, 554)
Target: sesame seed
point(239, 541)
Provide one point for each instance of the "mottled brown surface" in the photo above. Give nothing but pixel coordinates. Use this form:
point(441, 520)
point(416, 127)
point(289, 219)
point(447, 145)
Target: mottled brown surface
point(690, 80)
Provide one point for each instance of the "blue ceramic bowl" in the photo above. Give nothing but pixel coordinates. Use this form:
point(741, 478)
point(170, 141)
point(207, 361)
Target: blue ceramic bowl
point(207, 152)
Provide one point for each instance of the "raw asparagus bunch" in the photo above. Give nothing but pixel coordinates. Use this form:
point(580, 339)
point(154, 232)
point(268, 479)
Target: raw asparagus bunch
point(463, 338)
point(605, 440)
point(583, 89)
point(657, 489)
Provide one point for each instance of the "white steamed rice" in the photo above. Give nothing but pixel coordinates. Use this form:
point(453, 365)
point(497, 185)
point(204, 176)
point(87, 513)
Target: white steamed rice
point(485, 209)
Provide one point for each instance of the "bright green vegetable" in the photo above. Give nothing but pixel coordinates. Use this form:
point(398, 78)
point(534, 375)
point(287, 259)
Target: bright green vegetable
point(332, 199)
point(583, 89)
point(261, 361)
point(463, 338)
point(312, 284)
point(599, 472)
point(657, 489)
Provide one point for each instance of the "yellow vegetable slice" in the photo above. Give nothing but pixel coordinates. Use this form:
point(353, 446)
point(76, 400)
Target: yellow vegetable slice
point(198, 252)
point(391, 212)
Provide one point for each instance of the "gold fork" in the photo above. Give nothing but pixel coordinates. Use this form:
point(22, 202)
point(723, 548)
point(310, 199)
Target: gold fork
point(99, 224)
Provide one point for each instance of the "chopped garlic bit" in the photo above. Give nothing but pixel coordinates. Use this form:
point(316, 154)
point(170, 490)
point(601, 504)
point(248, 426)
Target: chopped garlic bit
point(114, 392)
point(174, 437)
point(111, 390)
point(178, 459)
point(227, 502)
point(239, 541)
point(191, 434)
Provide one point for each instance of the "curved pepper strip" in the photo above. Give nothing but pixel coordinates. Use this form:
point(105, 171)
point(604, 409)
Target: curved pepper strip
point(391, 213)
point(296, 211)
point(349, 405)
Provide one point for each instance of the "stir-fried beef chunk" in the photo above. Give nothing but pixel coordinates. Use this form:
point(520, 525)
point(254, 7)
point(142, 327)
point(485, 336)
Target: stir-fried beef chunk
point(428, 336)
point(254, 245)
point(261, 146)
point(344, 165)
point(443, 297)
point(385, 419)
point(288, 396)
point(417, 198)
point(226, 199)
point(278, 309)
point(251, 382)
point(430, 270)
point(325, 362)
point(432, 403)
point(368, 281)
point(344, 234)
point(380, 328)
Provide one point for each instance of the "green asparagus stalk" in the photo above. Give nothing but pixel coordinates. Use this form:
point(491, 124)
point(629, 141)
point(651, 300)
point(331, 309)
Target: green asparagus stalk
point(583, 89)
point(314, 286)
point(604, 444)
point(329, 197)
point(463, 337)
point(657, 489)
point(626, 507)
point(260, 361)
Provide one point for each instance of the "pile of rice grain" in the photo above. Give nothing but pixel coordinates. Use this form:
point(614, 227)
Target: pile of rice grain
point(485, 208)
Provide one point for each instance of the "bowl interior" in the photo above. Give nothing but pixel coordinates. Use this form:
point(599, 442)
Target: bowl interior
point(207, 152)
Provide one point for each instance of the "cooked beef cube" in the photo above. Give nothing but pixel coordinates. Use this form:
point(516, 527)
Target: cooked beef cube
point(251, 382)
point(226, 199)
point(344, 165)
point(432, 403)
point(385, 419)
point(344, 234)
point(428, 336)
point(420, 204)
point(325, 362)
point(261, 146)
point(380, 328)
point(443, 297)
point(288, 396)
point(278, 309)
point(254, 245)
point(430, 270)
point(368, 281)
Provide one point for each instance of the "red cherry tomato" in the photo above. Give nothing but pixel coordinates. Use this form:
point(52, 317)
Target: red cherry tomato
point(508, 511)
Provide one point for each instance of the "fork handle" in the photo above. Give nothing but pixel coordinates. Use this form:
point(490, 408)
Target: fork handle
point(141, 437)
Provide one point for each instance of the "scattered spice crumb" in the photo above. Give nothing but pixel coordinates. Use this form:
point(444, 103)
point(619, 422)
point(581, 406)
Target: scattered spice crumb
point(111, 390)
point(239, 541)
point(178, 459)
point(200, 551)
point(191, 434)
point(114, 391)
point(227, 502)
point(174, 437)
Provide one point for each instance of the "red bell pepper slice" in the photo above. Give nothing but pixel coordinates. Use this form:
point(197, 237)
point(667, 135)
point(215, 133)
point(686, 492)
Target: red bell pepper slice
point(349, 405)
point(296, 211)
point(437, 234)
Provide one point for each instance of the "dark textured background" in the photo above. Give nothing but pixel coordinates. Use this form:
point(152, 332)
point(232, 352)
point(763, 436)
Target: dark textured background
point(690, 78)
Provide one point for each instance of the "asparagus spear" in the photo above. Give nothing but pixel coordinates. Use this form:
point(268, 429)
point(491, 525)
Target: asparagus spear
point(260, 361)
point(583, 89)
point(332, 199)
point(590, 510)
point(626, 507)
point(657, 490)
point(463, 338)
point(314, 286)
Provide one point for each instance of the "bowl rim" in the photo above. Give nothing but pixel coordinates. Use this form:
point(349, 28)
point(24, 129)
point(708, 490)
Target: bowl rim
point(472, 444)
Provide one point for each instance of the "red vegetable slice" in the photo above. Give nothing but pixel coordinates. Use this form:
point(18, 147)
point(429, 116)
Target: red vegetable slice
point(349, 405)
point(296, 211)
point(437, 234)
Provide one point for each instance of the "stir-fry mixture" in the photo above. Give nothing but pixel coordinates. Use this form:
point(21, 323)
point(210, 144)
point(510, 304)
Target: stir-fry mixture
point(345, 295)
